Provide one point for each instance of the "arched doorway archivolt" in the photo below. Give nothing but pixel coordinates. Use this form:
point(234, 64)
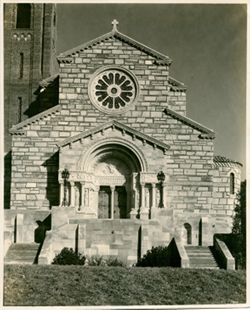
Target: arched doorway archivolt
point(114, 165)
point(128, 149)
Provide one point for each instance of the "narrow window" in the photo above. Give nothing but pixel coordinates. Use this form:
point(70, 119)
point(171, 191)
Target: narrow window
point(54, 19)
point(23, 17)
point(20, 108)
point(232, 183)
point(21, 66)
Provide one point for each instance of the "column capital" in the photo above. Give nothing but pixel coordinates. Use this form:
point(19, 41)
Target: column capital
point(153, 185)
point(142, 184)
point(112, 187)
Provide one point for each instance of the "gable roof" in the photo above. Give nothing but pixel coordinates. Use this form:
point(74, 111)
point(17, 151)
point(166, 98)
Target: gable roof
point(16, 129)
point(117, 125)
point(159, 57)
point(224, 161)
point(206, 133)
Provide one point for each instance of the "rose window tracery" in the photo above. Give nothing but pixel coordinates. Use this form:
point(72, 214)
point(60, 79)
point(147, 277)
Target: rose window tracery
point(113, 90)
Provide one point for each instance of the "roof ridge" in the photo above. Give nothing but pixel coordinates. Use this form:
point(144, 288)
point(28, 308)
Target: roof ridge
point(119, 35)
point(206, 132)
point(35, 118)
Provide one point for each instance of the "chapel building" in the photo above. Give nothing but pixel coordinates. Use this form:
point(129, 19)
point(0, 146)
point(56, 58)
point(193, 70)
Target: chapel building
point(116, 166)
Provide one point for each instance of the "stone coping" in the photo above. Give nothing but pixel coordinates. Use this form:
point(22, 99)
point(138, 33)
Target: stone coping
point(205, 131)
point(160, 58)
point(226, 258)
point(123, 128)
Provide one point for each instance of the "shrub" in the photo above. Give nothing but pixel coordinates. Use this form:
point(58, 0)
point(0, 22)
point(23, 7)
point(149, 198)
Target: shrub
point(96, 260)
point(114, 262)
point(69, 257)
point(156, 257)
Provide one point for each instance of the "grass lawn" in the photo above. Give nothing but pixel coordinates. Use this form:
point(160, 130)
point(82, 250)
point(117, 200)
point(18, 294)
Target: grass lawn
point(51, 285)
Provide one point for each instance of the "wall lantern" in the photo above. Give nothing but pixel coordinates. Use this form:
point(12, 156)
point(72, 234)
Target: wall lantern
point(161, 176)
point(65, 176)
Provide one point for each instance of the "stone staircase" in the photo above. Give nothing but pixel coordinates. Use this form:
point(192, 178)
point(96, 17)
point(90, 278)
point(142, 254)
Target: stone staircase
point(22, 253)
point(201, 257)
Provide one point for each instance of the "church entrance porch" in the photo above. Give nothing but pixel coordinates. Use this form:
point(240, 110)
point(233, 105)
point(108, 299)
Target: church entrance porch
point(110, 180)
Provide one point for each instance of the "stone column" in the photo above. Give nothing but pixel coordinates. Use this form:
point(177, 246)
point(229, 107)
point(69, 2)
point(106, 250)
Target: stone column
point(72, 194)
point(61, 193)
point(86, 197)
point(112, 201)
point(143, 210)
point(129, 201)
point(163, 184)
point(153, 205)
point(142, 195)
point(82, 196)
point(134, 209)
point(153, 186)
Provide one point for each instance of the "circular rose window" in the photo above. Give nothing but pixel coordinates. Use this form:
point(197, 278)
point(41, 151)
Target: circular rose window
point(113, 90)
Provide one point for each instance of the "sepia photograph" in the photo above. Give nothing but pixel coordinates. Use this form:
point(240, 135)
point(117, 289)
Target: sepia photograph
point(124, 154)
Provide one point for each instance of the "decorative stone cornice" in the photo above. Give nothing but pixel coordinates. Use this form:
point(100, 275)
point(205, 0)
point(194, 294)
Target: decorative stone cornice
point(221, 161)
point(17, 129)
point(159, 58)
point(123, 128)
point(22, 36)
point(206, 133)
point(176, 85)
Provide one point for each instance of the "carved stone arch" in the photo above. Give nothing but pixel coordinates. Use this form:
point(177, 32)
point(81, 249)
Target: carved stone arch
point(126, 148)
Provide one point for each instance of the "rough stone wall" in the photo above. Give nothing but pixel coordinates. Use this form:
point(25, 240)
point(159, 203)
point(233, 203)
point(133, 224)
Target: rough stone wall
point(177, 101)
point(187, 164)
point(223, 201)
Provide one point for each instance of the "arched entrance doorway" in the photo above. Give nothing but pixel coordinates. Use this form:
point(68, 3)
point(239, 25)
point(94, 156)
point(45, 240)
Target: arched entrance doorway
point(115, 171)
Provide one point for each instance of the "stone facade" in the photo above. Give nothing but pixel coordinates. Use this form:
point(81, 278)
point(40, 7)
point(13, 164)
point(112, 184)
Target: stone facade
point(140, 171)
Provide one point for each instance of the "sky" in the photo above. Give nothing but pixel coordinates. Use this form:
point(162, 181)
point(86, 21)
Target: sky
point(207, 43)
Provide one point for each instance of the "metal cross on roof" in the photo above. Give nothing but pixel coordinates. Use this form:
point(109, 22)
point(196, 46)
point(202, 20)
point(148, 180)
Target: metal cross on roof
point(115, 23)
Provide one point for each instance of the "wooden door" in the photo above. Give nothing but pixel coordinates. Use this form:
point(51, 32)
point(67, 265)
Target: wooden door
point(104, 206)
point(120, 202)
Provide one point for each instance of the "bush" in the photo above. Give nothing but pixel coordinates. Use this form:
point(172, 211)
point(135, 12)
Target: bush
point(96, 260)
point(114, 262)
point(69, 257)
point(156, 257)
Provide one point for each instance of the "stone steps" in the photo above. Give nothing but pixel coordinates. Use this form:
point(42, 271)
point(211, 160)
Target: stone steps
point(201, 257)
point(21, 253)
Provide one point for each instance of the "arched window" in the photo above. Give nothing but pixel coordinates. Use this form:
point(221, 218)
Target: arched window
point(232, 183)
point(23, 17)
point(188, 233)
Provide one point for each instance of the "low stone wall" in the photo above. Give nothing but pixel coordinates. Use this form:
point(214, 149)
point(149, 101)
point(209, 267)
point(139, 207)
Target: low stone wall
point(177, 256)
point(224, 256)
point(24, 226)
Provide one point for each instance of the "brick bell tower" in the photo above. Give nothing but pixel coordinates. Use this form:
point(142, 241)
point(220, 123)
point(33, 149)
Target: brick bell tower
point(29, 57)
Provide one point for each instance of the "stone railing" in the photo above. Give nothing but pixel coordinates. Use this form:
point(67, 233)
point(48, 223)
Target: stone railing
point(225, 258)
point(177, 255)
point(46, 254)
